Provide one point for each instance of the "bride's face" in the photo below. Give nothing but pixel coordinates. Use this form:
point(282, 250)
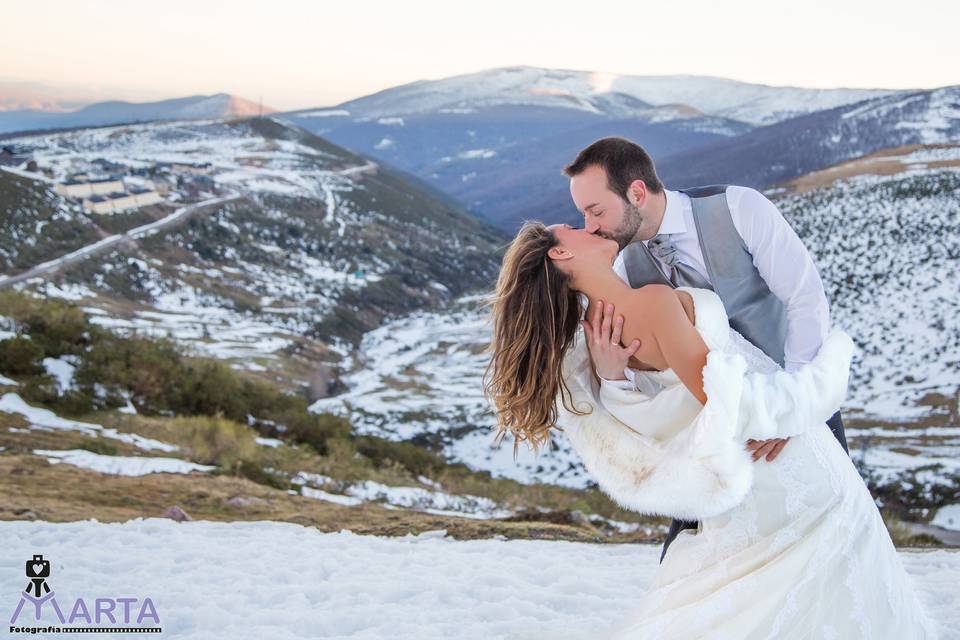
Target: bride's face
point(578, 247)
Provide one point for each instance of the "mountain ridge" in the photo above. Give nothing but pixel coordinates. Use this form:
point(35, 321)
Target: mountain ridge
point(218, 105)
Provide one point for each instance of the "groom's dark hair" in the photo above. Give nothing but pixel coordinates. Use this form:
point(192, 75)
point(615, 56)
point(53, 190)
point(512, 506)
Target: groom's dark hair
point(623, 160)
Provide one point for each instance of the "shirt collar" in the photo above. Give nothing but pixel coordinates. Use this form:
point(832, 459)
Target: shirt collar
point(673, 218)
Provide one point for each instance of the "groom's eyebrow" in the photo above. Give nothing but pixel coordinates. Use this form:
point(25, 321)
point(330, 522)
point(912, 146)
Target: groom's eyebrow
point(591, 206)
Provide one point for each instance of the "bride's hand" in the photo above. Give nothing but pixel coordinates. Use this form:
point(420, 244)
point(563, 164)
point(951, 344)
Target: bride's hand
point(609, 358)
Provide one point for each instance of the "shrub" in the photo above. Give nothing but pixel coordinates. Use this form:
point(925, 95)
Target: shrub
point(381, 451)
point(314, 429)
point(253, 471)
point(21, 356)
point(55, 326)
point(216, 440)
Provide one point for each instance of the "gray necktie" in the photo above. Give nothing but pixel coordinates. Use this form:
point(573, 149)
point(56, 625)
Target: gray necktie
point(681, 274)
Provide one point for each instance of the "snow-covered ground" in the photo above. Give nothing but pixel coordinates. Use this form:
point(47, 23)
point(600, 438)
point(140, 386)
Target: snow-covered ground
point(120, 465)
point(277, 580)
point(241, 162)
point(422, 374)
point(45, 420)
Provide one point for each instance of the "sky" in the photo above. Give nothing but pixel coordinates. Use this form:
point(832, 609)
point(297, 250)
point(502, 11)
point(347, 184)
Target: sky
point(294, 54)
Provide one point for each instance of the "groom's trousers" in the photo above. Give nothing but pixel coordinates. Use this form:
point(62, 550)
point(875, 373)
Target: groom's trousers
point(836, 426)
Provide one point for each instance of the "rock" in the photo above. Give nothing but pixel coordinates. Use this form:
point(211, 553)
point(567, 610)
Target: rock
point(245, 501)
point(578, 518)
point(176, 513)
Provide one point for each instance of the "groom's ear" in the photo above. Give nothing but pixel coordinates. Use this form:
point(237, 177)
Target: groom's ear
point(637, 193)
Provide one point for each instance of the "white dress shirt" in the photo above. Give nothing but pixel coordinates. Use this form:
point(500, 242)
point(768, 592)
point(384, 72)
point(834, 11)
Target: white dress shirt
point(778, 254)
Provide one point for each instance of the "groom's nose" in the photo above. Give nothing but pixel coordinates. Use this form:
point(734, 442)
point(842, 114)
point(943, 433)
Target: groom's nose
point(591, 226)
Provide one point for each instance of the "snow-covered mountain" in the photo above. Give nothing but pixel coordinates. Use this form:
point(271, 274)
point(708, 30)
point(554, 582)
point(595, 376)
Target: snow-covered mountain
point(496, 140)
point(785, 150)
point(220, 105)
point(765, 156)
point(272, 245)
point(601, 93)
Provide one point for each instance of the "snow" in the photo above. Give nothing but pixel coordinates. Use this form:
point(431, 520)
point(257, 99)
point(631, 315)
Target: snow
point(324, 114)
point(434, 500)
point(61, 369)
point(287, 581)
point(68, 291)
point(319, 494)
point(269, 442)
point(120, 465)
point(129, 409)
point(47, 420)
point(474, 154)
point(947, 517)
point(8, 381)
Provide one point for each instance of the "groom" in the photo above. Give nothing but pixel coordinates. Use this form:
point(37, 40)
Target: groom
point(726, 238)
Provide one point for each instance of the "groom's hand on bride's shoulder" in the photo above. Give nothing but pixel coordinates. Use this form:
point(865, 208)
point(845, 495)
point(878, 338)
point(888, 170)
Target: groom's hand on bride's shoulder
point(603, 341)
point(769, 448)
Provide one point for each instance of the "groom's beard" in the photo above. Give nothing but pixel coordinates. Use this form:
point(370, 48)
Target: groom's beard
point(627, 231)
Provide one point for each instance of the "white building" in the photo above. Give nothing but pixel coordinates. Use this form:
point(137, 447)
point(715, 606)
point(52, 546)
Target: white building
point(120, 201)
point(77, 189)
point(143, 196)
point(97, 204)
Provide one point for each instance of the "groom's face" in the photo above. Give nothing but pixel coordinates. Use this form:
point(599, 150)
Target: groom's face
point(605, 213)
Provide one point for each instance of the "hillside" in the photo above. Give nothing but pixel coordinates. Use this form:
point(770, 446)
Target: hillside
point(305, 247)
point(127, 427)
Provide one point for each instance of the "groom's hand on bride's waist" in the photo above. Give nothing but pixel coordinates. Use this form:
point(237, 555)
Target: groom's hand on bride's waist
point(770, 448)
point(603, 341)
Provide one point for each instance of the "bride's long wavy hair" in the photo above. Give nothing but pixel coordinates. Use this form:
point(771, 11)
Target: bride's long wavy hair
point(535, 315)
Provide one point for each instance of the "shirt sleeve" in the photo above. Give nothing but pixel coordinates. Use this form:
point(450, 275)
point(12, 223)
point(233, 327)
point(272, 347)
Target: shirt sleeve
point(788, 269)
point(621, 384)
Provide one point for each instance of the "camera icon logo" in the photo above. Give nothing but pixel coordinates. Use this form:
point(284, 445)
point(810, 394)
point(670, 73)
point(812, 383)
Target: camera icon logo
point(38, 570)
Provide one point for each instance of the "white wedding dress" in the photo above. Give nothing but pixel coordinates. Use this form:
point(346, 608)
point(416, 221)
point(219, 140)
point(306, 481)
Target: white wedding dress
point(804, 554)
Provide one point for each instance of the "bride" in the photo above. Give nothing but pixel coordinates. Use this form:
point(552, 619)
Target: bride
point(793, 548)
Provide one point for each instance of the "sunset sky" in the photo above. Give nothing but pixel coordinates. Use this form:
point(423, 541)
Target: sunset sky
point(305, 54)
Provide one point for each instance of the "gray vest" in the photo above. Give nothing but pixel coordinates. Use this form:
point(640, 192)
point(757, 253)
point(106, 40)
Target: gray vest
point(754, 311)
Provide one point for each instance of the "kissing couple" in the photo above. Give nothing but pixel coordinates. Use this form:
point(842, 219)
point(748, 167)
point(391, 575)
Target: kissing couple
point(681, 340)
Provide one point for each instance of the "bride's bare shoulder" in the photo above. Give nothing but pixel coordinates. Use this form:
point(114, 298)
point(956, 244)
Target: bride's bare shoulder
point(653, 292)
